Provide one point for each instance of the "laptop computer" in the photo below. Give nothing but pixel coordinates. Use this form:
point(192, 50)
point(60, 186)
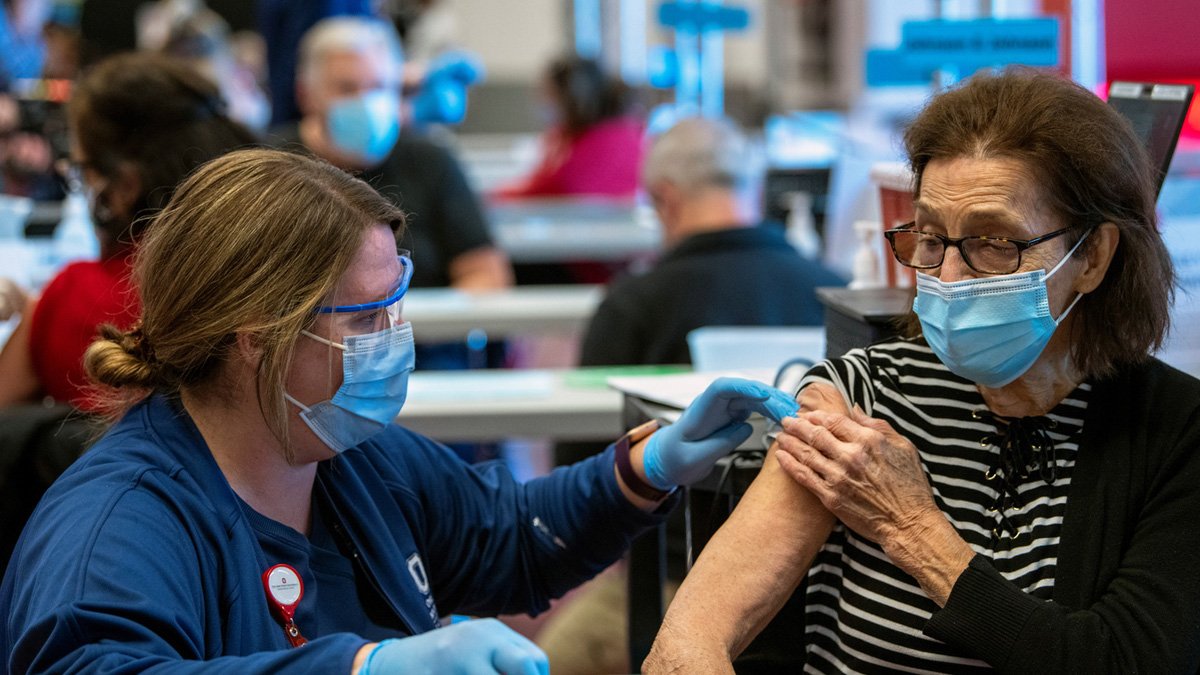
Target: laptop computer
point(1157, 112)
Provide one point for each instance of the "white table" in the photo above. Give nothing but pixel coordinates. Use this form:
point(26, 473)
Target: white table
point(493, 160)
point(486, 405)
point(444, 314)
point(559, 230)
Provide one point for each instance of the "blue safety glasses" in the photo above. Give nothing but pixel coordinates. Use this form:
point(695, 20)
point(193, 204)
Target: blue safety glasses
point(391, 303)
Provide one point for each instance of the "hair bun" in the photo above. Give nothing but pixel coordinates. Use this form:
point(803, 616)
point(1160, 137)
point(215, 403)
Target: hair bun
point(121, 359)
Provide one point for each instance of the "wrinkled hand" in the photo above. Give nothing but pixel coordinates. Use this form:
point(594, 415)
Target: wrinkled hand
point(12, 299)
point(861, 469)
point(710, 428)
point(479, 647)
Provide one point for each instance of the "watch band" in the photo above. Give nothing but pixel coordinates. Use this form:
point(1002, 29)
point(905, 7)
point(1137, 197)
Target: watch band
point(638, 486)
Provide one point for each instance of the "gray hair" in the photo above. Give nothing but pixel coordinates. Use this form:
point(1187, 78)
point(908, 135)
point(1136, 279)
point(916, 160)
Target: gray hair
point(359, 35)
point(698, 153)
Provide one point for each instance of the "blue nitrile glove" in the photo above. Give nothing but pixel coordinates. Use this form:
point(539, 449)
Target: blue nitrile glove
point(442, 98)
point(479, 647)
point(457, 66)
point(710, 428)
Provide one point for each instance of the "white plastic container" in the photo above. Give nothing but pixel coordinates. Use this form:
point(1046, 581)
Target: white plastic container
point(14, 212)
point(754, 347)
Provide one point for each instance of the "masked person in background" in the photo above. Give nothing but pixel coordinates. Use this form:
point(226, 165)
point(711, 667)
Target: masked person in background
point(1012, 486)
point(255, 497)
point(139, 123)
point(348, 86)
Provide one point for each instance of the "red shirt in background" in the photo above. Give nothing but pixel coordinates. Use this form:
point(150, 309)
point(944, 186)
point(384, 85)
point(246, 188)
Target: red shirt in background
point(70, 310)
point(604, 160)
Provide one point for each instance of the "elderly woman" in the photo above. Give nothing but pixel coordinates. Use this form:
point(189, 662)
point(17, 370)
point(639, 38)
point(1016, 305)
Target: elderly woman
point(1013, 485)
point(255, 496)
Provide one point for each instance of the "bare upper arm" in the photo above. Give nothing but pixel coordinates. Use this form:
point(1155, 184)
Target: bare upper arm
point(748, 570)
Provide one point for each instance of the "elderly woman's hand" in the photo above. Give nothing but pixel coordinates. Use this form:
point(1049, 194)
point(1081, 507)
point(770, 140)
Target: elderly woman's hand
point(865, 473)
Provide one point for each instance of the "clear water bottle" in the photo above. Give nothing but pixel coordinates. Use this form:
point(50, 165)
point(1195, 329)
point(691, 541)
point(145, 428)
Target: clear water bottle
point(75, 237)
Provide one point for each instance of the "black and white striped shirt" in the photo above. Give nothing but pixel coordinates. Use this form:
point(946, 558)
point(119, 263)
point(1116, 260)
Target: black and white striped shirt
point(864, 614)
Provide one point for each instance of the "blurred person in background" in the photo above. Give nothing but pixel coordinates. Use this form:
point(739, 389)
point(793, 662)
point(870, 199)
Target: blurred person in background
point(348, 86)
point(282, 24)
point(139, 124)
point(722, 266)
point(192, 32)
point(593, 143)
point(592, 147)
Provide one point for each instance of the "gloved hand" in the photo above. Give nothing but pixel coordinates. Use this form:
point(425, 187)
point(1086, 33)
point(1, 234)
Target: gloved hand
point(457, 66)
point(442, 98)
point(710, 428)
point(478, 647)
point(12, 299)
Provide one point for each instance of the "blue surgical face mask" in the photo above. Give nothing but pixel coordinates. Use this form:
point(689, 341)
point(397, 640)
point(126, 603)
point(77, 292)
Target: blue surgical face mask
point(366, 126)
point(375, 370)
point(989, 330)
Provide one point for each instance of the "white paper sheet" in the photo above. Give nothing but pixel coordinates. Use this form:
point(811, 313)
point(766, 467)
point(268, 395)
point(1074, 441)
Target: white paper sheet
point(677, 390)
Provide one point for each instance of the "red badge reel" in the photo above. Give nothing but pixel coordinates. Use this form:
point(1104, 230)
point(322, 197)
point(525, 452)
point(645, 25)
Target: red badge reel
point(284, 589)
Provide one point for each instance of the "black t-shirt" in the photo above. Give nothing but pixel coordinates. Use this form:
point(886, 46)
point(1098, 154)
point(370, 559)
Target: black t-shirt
point(445, 218)
point(739, 277)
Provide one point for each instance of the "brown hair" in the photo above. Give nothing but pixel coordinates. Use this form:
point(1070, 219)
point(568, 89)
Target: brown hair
point(159, 116)
point(253, 242)
point(586, 94)
point(1093, 170)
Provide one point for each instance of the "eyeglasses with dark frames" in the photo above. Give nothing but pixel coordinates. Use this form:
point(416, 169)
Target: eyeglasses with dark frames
point(986, 255)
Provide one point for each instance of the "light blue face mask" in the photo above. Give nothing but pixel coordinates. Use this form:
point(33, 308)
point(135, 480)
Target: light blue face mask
point(375, 370)
point(989, 330)
point(366, 126)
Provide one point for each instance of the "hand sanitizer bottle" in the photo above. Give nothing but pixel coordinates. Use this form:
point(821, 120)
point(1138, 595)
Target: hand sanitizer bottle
point(801, 230)
point(866, 262)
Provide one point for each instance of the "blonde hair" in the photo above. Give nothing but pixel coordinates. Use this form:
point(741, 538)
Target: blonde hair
point(252, 243)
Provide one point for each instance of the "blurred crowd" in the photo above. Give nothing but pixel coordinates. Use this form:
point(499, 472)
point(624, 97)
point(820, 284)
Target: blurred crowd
point(248, 49)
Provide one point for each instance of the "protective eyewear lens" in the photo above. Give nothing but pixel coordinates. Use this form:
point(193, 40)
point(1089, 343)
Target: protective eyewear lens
point(388, 309)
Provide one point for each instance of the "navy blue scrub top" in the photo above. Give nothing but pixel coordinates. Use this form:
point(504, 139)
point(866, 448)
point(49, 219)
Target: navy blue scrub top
point(336, 597)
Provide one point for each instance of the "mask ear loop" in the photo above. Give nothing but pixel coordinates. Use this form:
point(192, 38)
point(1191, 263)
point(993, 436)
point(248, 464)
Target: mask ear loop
point(1070, 253)
point(1078, 296)
point(288, 397)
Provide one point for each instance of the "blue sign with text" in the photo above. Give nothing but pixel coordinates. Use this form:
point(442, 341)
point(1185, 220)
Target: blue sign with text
point(959, 48)
point(703, 16)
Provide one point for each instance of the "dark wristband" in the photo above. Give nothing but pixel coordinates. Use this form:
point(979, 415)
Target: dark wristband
point(635, 484)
